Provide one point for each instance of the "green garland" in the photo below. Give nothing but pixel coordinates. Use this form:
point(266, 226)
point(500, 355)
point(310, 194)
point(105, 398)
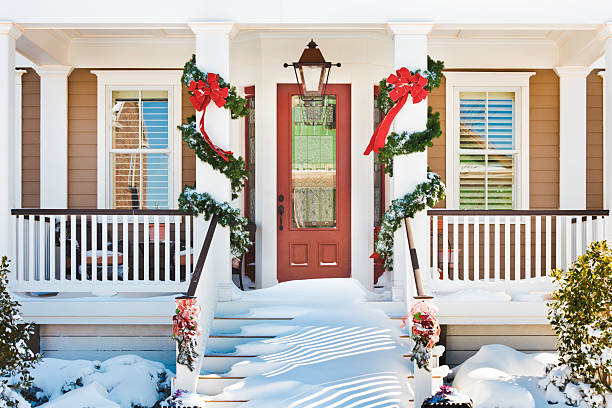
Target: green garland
point(234, 169)
point(202, 203)
point(237, 105)
point(425, 195)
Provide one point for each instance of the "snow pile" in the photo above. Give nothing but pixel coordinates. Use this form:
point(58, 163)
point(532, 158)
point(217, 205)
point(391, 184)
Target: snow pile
point(122, 381)
point(335, 352)
point(561, 387)
point(498, 376)
point(10, 396)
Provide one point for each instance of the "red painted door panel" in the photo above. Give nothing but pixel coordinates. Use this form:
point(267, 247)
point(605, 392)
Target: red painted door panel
point(314, 185)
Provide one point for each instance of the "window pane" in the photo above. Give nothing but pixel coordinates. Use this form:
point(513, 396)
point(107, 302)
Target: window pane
point(126, 180)
point(313, 163)
point(125, 119)
point(472, 180)
point(155, 180)
point(500, 117)
point(472, 126)
point(155, 119)
point(500, 183)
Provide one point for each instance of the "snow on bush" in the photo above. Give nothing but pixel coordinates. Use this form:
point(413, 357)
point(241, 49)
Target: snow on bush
point(128, 380)
point(580, 316)
point(16, 358)
point(498, 376)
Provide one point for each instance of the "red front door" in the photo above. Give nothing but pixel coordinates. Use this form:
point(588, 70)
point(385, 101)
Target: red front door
point(314, 185)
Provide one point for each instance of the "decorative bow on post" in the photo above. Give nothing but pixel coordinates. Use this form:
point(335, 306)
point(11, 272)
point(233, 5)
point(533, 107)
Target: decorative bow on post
point(404, 84)
point(203, 93)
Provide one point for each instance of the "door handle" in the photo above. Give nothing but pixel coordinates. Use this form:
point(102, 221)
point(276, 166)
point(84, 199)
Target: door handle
point(281, 211)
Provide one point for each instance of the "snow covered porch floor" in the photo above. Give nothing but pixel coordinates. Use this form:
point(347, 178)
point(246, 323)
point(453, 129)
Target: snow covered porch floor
point(306, 343)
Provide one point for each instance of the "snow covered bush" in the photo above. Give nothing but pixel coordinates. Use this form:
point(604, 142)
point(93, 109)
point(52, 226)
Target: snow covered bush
point(16, 358)
point(581, 318)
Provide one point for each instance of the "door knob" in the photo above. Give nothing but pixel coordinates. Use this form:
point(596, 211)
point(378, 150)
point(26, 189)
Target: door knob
point(281, 211)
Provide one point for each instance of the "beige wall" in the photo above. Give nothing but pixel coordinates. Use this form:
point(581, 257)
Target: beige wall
point(543, 139)
point(594, 136)
point(30, 156)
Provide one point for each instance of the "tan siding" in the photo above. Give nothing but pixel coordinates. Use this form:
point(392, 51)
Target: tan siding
point(82, 139)
point(544, 140)
point(463, 341)
point(100, 342)
point(189, 158)
point(594, 140)
point(436, 155)
point(30, 156)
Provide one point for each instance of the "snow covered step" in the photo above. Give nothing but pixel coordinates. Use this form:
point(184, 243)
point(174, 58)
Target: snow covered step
point(221, 363)
point(235, 325)
point(214, 384)
point(225, 404)
point(226, 343)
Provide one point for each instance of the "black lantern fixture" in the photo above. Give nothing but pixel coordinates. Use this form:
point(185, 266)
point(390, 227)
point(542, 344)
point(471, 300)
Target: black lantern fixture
point(312, 73)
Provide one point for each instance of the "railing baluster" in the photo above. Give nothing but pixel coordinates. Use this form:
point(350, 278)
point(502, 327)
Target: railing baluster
point(177, 248)
point(548, 245)
point(94, 248)
point(115, 248)
point(20, 249)
point(445, 253)
point(126, 249)
point(146, 244)
point(601, 232)
point(434, 246)
point(507, 248)
point(466, 248)
point(527, 247)
point(579, 243)
point(497, 249)
point(83, 248)
point(517, 248)
point(104, 246)
point(62, 243)
point(136, 267)
point(51, 237)
point(476, 240)
point(568, 241)
point(559, 244)
point(31, 242)
point(73, 246)
point(156, 263)
point(188, 271)
point(588, 231)
point(538, 246)
point(41, 249)
point(166, 249)
point(487, 245)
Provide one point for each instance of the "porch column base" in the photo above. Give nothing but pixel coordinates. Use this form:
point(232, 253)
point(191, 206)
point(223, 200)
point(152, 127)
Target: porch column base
point(224, 292)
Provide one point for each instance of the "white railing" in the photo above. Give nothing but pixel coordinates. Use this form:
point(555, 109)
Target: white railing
point(496, 245)
point(102, 251)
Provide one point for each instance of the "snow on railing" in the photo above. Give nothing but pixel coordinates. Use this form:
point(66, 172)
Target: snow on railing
point(102, 251)
point(510, 246)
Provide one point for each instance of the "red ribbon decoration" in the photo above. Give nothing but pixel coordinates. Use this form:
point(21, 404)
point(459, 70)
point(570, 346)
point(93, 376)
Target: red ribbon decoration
point(404, 84)
point(203, 93)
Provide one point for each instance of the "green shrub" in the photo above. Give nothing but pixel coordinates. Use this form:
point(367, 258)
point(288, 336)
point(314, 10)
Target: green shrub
point(580, 316)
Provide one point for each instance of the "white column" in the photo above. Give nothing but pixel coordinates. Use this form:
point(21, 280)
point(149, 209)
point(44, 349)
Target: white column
point(213, 55)
point(18, 135)
point(8, 34)
point(53, 135)
point(572, 137)
point(410, 51)
point(607, 139)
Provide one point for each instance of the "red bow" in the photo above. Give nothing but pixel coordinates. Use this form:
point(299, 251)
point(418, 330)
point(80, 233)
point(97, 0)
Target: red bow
point(404, 83)
point(203, 93)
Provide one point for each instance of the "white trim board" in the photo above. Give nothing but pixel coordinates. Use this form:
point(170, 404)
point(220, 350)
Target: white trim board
point(138, 79)
point(517, 82)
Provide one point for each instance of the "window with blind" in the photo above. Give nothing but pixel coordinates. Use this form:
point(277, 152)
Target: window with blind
point(487, 150)
point(140, 151)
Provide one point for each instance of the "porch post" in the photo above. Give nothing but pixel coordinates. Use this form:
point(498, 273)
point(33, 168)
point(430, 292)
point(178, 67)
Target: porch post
point(410, 51)
point(607, 122)
point(213, 55)
point(572, 137)
point(8, 34)
point(53, 135)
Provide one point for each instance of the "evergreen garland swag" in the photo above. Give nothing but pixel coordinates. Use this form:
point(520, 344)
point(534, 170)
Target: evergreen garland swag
point(202, 203)
point(426, 194)
point(234, 169)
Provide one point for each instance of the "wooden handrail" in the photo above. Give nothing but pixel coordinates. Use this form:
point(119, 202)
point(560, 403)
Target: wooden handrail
point(444, 211)
point(197, 272)
point(93, 211)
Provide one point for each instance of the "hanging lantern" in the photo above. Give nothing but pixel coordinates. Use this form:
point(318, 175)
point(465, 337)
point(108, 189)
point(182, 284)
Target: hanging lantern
point(312, 73)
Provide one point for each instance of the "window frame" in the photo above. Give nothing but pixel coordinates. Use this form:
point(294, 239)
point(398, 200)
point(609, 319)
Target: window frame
point(516, 82)
point(138, 80)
